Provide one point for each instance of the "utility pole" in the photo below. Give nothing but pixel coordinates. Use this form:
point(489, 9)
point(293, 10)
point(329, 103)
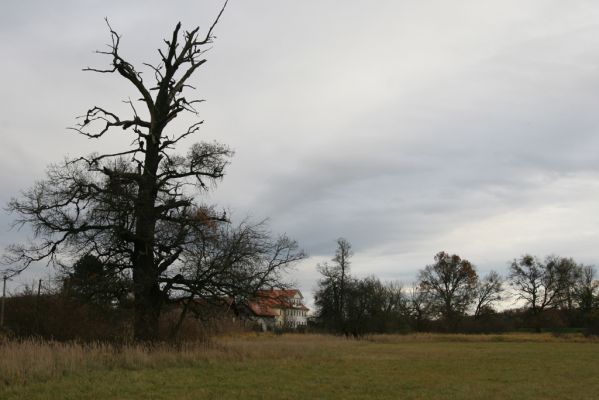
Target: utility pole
point(3, 300)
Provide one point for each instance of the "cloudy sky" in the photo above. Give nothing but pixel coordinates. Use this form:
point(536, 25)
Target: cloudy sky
point(408, 127)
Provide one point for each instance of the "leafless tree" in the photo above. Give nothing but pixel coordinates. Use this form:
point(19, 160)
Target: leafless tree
point(136, 209)
point(330, 297)
point(419, 305)
point(342, 263)
point(326, 296)
point(236, 262)
point(451, 282)
point(488, 291)
point(586, 289)
point(537, 283)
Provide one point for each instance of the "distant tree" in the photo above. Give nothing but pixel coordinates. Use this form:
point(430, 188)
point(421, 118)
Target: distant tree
point(396, 301)
point(451, 283)
point(419, 306)
point(488, 291)
point(342, 263)
point(326, 297)
point(330, 297)
point(543, 284)
point(568, 274)
point(374, 307)
point(586, 289)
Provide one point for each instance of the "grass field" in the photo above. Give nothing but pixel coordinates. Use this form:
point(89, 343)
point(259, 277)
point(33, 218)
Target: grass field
point(514, 366)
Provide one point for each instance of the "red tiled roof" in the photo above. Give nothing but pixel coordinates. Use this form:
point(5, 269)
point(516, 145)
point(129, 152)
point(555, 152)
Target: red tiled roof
point(266, 301)
point(278, 293)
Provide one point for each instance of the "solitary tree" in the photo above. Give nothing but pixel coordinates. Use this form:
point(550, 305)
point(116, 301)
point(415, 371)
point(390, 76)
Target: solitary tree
point(135, 210)
point(451, 282)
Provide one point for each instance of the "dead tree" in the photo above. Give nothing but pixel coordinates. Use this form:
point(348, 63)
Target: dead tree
point(136, 209)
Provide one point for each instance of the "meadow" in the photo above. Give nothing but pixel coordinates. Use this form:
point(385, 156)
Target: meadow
point(251, 366)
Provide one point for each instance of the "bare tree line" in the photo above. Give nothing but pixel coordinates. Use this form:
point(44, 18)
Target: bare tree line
point(450, 295)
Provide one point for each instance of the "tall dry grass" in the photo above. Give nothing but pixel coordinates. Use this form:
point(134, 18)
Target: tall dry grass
point(33, 360)
point(23, 361)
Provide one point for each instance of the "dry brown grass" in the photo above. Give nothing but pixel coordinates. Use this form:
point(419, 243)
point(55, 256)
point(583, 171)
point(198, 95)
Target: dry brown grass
point(32, 360)
point(26, 361)
point(35, 360)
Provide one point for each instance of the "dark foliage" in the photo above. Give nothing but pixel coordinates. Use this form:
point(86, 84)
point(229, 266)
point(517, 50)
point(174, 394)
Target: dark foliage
point(58, 317)
point(88, 281)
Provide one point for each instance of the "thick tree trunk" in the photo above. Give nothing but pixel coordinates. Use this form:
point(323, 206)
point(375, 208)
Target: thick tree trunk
point(148, 296)
point(148, 304)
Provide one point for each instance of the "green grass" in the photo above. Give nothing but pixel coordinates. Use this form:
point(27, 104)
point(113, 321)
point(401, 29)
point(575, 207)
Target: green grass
point(319, 367)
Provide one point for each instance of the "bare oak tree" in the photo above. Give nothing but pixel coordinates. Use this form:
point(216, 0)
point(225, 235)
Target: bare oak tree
point(135, 210)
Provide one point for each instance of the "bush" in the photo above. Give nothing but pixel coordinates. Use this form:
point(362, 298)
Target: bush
point(61, 318)
point(592, 324)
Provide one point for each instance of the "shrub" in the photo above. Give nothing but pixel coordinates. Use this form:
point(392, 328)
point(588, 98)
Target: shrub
point(592, 324)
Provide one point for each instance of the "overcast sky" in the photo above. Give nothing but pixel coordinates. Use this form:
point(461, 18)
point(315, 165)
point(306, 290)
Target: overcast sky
point(408, 127)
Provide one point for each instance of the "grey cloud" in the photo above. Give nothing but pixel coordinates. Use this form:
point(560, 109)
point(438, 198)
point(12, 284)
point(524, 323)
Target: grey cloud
point(404, 127)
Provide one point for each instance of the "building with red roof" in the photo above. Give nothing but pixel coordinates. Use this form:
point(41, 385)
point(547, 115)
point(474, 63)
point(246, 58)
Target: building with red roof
point(279, 309)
